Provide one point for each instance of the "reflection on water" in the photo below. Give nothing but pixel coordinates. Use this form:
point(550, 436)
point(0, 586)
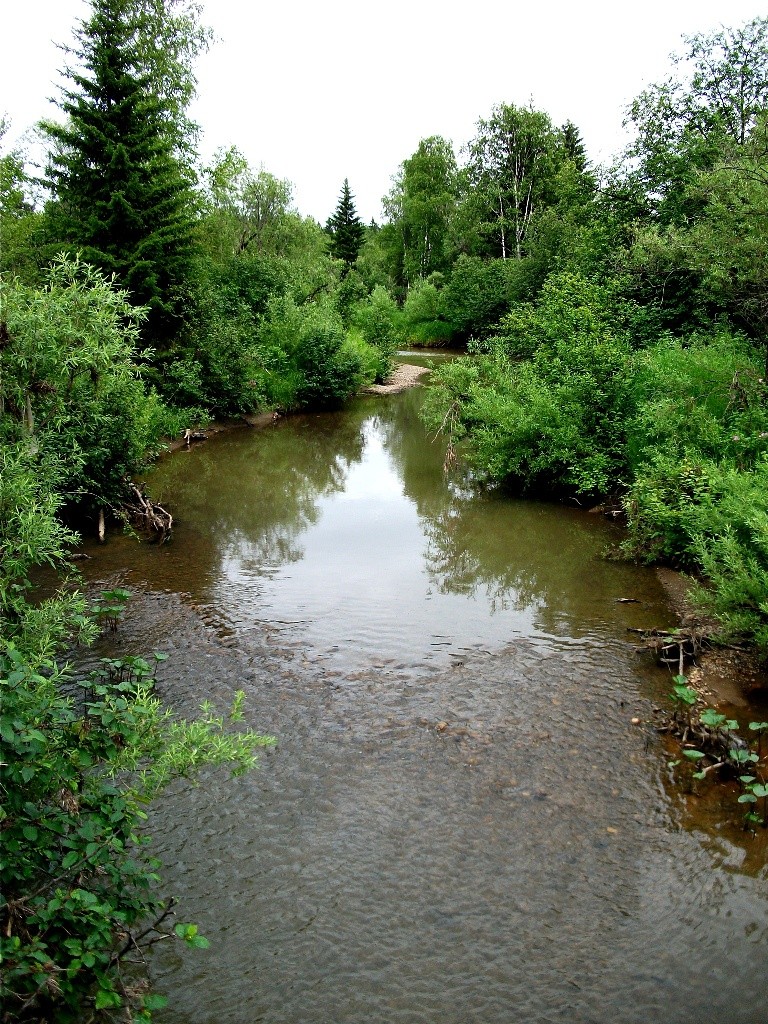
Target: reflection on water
point(460, 823)
point(345, 526)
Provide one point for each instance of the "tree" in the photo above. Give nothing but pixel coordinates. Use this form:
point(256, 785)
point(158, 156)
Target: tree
point(345, 228)
point(684, 124)
point(512, 172)
point(18, 219)
point(121, 195)
point(170, 36)
point(252, 205)
point(420, 207)
point(728, 245)
point(574, 146)
point(69, 386)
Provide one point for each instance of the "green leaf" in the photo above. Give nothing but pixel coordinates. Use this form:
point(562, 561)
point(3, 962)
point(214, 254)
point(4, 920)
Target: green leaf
point(711, 718)
point(693, 755)
point(106, 998)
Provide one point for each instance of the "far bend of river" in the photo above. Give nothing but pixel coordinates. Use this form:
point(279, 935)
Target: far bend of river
point(460, 824)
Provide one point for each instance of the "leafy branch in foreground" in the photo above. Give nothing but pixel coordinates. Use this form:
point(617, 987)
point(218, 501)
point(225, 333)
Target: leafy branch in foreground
point(82, 759)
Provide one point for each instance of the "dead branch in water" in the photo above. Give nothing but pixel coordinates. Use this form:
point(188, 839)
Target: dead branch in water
point(147, 516)
point(673, 648)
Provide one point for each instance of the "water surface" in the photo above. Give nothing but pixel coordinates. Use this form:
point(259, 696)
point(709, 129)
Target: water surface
point(460, 822)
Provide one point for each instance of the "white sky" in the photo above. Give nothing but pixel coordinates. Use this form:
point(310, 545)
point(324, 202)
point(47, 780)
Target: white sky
point(320, 90)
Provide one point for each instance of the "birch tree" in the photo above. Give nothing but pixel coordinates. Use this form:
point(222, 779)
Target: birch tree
point(512, 170)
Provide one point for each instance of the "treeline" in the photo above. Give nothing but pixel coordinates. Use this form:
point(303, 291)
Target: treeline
point(620, 326)
point(617, 320)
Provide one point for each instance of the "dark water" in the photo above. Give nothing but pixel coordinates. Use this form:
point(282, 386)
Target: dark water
point(459, 823)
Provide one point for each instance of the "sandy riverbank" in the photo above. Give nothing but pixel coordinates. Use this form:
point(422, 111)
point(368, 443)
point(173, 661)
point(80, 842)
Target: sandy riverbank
point(404, 376)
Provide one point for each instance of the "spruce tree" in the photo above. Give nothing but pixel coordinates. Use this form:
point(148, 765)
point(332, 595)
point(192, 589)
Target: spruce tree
point(120, 195)
point(345, 228)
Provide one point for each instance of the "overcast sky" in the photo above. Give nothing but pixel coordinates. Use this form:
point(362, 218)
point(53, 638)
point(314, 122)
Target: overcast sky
point(319, 91)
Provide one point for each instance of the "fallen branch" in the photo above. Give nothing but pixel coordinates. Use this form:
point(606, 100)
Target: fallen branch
point(147, 516)
point(673, 648)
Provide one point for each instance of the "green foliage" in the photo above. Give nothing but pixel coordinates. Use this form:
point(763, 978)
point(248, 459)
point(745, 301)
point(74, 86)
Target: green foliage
point(569, 306)
point(247, 209)
point(81, 760)
point(20, 241)
point(79, 888)
point(345, 228)
point(711, 742)
point(121, 194)
point(421, 207)
point(698, 445)
point(555, 422)
point(379, 321)
point(30, 536)
point(423, 322)
point(305, 358)
point(684, 124)
point(513, 168)
point(69, 383)
point(216, 365)
point(703, 393)
point(735, 558)
point(477, 294)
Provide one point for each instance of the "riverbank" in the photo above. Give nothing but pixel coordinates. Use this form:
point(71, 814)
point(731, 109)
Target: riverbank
point(722, 674)
point(726, 675)
point(404, 376)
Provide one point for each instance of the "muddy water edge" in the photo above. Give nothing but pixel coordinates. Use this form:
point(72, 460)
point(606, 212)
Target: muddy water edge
point(460, 822)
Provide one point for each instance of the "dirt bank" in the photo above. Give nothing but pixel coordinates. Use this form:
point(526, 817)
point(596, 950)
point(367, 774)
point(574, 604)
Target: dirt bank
point(404, 376)
point(725, 674)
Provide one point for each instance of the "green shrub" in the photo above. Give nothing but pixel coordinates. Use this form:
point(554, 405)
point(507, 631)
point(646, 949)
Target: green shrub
point(704, 394)
point(379, 321)
point(422, 318)
point(70, 385)
point(554, 423)
point(81, 759)
point(305, 359)
point(477, 294)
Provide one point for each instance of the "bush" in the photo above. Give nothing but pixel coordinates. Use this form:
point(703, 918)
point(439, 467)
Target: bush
point(422, 318)
point(305, 358)
point(704, 394)
point(70, 386)
point(556, 423)
point(379, 321)
point(478, 293)
point(81, 759)
point(735, 558)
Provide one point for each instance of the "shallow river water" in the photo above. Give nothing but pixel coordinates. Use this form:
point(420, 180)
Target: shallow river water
point(459, 823)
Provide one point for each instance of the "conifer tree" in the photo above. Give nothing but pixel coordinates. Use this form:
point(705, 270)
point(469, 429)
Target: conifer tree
point(120, 195)
point(345, 228)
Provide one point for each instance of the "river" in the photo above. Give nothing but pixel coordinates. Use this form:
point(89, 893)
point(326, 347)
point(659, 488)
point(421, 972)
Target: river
point(460, 822)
